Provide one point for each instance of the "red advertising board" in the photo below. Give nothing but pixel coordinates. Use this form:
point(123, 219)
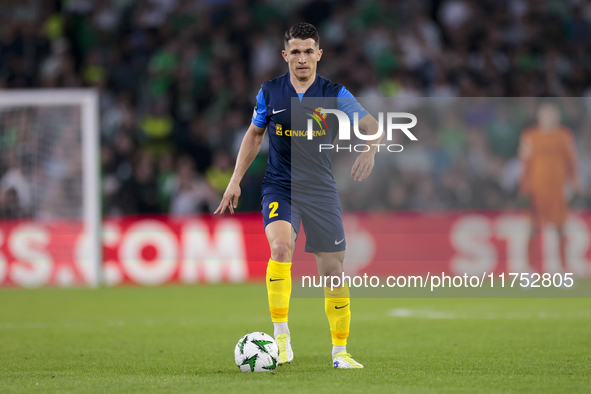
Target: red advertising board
point(233, 248)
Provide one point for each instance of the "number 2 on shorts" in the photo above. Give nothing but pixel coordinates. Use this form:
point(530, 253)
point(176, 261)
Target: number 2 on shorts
point(273, 207)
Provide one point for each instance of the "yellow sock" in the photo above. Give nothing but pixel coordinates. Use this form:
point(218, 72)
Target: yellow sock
point(337, 304)
point(278, 289)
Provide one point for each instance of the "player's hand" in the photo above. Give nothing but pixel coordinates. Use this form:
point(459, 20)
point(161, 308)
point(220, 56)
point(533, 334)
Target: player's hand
point(230, 199)
point(363, 166)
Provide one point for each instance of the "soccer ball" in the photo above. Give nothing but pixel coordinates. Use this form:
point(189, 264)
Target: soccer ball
point(256, 352)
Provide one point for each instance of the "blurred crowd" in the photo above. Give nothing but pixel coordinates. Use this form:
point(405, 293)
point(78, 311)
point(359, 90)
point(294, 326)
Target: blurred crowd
point(178, 78)
point(41, 163)
point(466, 156)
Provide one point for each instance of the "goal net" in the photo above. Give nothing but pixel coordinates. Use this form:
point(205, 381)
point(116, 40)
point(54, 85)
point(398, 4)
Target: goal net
point(49, 188)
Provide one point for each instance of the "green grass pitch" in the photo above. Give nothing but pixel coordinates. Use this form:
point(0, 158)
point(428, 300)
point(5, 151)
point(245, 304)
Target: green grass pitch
point(181, 339)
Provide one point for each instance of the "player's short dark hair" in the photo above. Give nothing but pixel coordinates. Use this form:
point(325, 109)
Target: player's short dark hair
point(303, 31)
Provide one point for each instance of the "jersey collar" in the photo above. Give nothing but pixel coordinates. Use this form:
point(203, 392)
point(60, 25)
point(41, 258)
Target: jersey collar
point(294, 93)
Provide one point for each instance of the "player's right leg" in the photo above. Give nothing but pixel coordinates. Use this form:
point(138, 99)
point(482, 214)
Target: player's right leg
point(534, 232)
point(532, 257)
point(562, 245)
point(281, 236)
point(559, 216)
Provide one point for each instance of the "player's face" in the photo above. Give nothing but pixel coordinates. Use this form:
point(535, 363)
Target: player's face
point(302, 57)
point(548, 117)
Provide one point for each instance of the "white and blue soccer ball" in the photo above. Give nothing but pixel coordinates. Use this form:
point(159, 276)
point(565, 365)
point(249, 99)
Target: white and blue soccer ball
point(256, 352)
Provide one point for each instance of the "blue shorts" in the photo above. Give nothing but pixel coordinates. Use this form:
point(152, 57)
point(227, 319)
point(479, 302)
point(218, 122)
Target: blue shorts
point(322, 222)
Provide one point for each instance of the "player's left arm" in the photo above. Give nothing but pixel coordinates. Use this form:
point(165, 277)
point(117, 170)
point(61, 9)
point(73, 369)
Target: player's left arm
point(367, 124)
point(366, 160)
point(571, 159)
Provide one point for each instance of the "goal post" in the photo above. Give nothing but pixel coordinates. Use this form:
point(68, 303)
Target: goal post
point(43, 110)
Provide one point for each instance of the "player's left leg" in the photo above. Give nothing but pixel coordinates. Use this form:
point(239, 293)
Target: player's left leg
point(337, 304)
point(325, 237)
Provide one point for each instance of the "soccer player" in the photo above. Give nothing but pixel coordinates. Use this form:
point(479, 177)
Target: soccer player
point(302, 191)
point(549, 160)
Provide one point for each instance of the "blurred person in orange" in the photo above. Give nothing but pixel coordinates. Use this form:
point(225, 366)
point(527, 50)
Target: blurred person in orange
point(549, 159)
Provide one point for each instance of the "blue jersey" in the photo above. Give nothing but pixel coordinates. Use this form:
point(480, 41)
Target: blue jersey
point(296, 166)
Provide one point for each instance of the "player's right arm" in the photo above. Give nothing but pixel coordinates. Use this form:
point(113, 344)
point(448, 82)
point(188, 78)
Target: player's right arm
point(251, 144)
point(525, 153)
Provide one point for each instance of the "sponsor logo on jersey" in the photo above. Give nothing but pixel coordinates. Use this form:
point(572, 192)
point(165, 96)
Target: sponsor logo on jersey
point(317, 116)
